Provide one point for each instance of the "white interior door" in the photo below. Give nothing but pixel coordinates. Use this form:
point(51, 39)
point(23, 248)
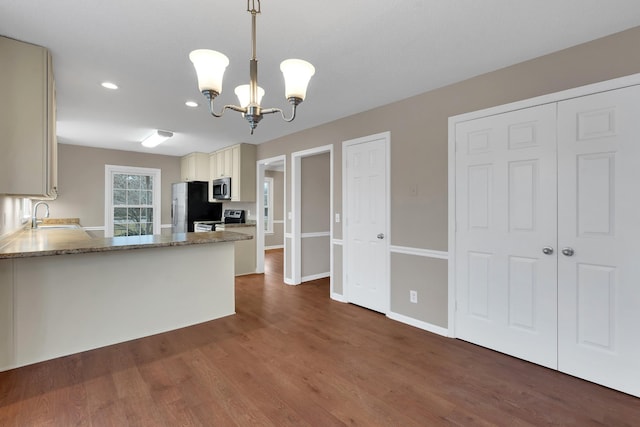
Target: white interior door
point(366, 199)
point(599, 220)
point(505, 216)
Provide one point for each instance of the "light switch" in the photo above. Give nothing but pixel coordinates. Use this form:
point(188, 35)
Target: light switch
point(337, 217)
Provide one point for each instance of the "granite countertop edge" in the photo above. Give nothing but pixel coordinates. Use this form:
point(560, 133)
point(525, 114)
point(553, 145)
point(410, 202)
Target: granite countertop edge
point(19, 245)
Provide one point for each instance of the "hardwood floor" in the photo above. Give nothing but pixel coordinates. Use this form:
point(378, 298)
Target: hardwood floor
point(293, 357)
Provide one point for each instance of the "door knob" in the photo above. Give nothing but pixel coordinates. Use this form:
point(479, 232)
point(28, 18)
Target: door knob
point(567, 251)
point(380, 236)
point(547, 250)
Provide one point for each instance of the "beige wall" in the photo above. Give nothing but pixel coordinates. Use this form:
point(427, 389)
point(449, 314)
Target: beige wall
point(11, 215)
point(315, 192)
point(81, 180)
point(418, 129)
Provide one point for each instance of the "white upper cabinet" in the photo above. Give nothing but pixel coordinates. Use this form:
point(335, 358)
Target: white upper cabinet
point(28, 145)
point(221, 163)
point(194, 167)
point(237, 162)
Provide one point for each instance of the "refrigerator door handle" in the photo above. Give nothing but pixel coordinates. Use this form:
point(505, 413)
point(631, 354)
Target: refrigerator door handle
point(174, 219)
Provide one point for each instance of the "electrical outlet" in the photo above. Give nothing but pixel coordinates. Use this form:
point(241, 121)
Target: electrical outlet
point(413, 296)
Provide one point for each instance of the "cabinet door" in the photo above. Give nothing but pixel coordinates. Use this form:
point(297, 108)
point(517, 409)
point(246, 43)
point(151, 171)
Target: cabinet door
point(229, 156)
point(52, 138)
point(220, 164)
point(195, 167)
point(28, 149)
point(235, 164)
point(599, 219)
point(201, 166)
point(505, 216)
point(245, 252)
point(185, 169)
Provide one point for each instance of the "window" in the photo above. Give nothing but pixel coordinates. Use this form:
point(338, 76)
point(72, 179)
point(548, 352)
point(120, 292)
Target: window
point(132, 201)
point(268, 205)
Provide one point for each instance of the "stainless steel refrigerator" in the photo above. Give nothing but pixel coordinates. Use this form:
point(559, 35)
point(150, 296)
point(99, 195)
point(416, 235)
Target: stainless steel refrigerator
point(189, 203)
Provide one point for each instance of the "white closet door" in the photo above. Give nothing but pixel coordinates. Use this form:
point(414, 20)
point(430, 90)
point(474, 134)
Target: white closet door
point(366, 264)
point(599, 219)
point(505, 215)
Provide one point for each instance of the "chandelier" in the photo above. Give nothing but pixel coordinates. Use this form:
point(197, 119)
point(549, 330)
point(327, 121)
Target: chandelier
point(210, 66)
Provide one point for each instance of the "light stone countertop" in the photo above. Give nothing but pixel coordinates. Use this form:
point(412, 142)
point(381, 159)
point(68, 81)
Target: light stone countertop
point(59, 241)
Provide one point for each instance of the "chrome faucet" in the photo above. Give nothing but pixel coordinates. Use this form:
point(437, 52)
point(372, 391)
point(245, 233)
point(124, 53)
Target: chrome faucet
point(34, 218)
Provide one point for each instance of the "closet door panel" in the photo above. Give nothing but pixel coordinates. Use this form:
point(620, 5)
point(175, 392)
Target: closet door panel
point(599, 225)
point(505, 215)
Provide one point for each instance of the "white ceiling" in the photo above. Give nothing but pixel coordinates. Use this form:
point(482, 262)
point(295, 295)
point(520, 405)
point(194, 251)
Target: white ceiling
point(366, 53)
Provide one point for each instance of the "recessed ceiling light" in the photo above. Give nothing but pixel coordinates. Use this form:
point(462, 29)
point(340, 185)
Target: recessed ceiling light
point(109, 85)
point(191, 104)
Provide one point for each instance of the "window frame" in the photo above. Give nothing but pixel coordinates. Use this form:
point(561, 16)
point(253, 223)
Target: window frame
point(109, 172)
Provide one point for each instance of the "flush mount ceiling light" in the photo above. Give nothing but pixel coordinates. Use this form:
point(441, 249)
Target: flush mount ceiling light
point(156, 138)
point(210, 66)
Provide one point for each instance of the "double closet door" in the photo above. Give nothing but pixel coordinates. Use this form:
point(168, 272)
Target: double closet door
point(547, 241)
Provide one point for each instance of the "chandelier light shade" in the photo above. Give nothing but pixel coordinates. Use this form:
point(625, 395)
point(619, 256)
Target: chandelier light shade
point(297, 74)
point(210, 66)
point(243, 92)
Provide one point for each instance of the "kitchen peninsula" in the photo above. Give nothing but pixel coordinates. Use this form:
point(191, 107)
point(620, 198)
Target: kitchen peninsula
point(63, 292)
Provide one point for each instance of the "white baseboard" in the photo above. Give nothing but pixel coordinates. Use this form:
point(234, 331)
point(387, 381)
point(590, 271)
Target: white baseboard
point(338, 297)
point(266, 248)
point(439, 330)
point(316, 277)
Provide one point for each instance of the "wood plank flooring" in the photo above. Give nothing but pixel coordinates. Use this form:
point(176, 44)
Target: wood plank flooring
point(293, 357)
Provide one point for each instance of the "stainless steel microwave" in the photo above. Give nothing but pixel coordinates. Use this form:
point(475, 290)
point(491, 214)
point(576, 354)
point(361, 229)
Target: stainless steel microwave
point(221, 188)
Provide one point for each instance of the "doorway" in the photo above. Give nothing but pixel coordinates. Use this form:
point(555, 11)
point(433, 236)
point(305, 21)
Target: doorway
point(311, 224)
point(271, 208)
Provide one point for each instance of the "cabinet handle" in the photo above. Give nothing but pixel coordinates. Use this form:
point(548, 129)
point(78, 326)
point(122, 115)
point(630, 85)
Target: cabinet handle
point(567, 251)
point(547, 250)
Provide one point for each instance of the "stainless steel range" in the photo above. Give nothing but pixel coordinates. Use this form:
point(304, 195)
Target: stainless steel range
point(234, 216)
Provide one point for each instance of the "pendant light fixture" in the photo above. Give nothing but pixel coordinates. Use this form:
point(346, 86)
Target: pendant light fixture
point(210, 66)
